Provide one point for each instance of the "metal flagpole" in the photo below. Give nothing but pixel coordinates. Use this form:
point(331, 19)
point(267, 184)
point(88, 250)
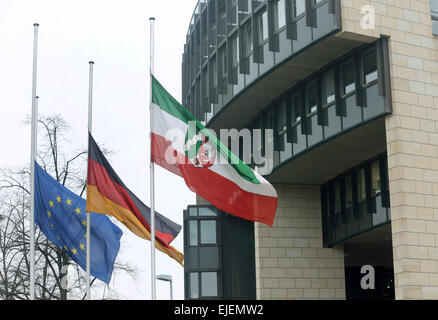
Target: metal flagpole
point(90, 129)
point(152, 171)
point(33, 157)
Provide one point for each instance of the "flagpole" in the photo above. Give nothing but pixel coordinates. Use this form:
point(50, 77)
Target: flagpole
point(152, 171)
point(34, 130)
point(90, 129)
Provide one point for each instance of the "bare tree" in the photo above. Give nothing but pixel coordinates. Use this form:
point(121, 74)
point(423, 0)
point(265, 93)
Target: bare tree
point(53, 266)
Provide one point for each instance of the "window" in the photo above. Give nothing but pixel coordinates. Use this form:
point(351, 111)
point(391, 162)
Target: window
point(214, 71)
point(209, 284)
point(361, 190)
point(295, 109)
point(337, 197)
point(281, 118)
point(262, 27)
point(245, 6)
point(193, 233)
point(223, 61)
point(434, 14)
point(204, 81)
point(212, 27)
point(328, 87)
point(279, 14)
point(232, 12)
point(311, 99)
point(206, 212)
point(208, 232)
point(222, 19)
point(348, 192)
point(298, 8)
point(204, 38)
point(369, 64)
point(281, 124)
point(193, 212)
point(194, 285)
point(375, 178)
point(247, 40)
point(348, 78)
point(234, 51)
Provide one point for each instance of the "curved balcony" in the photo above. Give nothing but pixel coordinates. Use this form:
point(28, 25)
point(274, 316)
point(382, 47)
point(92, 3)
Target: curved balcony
point(330, 121)
point(285, 65)
point(231, 45)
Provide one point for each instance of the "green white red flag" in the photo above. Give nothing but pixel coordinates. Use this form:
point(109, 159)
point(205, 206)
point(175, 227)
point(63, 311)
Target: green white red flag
point(182, 145)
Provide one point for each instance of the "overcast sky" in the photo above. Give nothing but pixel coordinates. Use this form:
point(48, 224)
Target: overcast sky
point(114, 34)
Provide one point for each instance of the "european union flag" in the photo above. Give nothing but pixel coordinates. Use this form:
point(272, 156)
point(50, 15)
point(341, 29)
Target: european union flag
point(61, 215)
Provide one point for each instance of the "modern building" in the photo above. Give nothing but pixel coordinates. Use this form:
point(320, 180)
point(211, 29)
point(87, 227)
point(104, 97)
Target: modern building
point(350, 90)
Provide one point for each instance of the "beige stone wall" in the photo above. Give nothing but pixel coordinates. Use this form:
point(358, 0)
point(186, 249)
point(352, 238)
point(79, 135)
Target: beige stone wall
point(412, 137)
point(291, 262)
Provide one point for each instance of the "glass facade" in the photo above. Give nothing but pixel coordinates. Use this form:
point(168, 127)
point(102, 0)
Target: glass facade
point(213, 242)
point(256, 35)
point(355, 201)
point(343, 95)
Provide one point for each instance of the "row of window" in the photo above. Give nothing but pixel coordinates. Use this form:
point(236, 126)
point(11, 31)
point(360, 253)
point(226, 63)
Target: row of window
point(238, 30)
point(356, 201)
point(202, 252)
point(345, 86)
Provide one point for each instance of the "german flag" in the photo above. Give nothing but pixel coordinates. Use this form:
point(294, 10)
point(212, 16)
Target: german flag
point(107, 194)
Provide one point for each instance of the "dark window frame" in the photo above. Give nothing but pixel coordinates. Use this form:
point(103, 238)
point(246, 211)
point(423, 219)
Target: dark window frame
point(344, 94)
point(309, 85)
point(199, 276)
point(368, 203)
point(275, 18)
point(258, 16)
point(363, 82)
point(323, 88)
point(294, 17)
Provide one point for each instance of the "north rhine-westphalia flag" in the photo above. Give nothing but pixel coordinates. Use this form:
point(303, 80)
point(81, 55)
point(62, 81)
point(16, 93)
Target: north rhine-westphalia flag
point(207, 166)
point(107, 194)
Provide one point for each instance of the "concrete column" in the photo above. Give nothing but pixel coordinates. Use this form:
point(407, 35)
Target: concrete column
point(291, 262)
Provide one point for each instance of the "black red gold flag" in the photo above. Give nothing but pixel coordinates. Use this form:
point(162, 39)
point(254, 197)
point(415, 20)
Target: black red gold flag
point(107, 194)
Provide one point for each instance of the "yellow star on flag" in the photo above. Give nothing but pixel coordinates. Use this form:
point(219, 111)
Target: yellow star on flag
point(58, 199)
point(65, 247)
point(78, 211)
point(49, 213)
point(74, 251)
point(84, 223)
point(51, 203)
point(82, 247)
point(68, 202)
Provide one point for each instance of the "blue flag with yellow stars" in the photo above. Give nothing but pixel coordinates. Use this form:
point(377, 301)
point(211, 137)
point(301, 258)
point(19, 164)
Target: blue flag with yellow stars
point(62, 217)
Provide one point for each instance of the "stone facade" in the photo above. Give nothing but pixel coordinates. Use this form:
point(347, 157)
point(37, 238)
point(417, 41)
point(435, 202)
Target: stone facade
point(412, 136)
point(291, 262)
